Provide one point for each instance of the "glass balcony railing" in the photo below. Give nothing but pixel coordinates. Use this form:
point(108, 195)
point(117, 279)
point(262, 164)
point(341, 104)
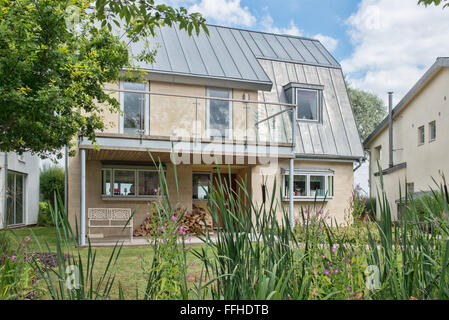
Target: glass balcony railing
point(205, 118)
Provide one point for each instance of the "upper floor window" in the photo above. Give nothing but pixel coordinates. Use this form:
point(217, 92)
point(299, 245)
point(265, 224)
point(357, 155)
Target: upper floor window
point(129, 182)
point(219, 113)
point(310, 183)
point(421, 135)
point(135, 108)
point(308, 104)
point(432, 131)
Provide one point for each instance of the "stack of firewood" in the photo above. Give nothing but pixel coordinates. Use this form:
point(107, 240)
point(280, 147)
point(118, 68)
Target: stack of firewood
point(195, 221)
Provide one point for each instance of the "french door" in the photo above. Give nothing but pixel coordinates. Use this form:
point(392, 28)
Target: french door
point(219, 113)
point(15, 198)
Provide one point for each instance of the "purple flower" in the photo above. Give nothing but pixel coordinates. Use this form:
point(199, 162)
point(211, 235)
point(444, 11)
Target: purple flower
point(13, 257)
point(139, 257)
point(333, 250)
point(164, 241)
point(27, 239)
point(182, 230)
point(336, 271)
point(326, 272)
point(357, 187)
point(444, 214)
point(160, 228)
point(173, 218)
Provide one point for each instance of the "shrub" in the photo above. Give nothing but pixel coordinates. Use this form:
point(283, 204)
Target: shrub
point(44, 218)
point(51, 181)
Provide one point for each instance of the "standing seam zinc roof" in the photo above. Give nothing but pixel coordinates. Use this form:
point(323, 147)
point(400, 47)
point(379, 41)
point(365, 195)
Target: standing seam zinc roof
point(229, 53)
point(268, 62)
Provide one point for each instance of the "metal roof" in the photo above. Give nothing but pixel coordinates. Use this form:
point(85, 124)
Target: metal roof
point(336, 136)
point(441, 62)
point(228, 54)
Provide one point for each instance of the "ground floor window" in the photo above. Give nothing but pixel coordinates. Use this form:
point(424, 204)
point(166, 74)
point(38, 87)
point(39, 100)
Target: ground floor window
point(201, 185)
point(310, 183)
point(15, 198)
point(129, 182)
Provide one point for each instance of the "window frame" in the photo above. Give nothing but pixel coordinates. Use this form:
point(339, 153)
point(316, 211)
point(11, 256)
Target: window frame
point(210, 183)
point(432, 124)
point(423, 135)
point(136, 171)
point(231, 113)
point(146, 108)
point(12, 195)
point(326, 173)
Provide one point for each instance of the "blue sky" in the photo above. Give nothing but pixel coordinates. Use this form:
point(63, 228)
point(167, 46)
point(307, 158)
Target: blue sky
point(305, 14)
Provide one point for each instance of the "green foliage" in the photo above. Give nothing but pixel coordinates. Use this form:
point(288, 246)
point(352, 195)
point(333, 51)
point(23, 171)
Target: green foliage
point(16, 275)
point(44, 219)
point(434, 2)
point(368, 110)
point(51, 181)
point(52, 72)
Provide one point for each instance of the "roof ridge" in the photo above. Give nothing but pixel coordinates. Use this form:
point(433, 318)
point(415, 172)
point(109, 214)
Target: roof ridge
point(264, 32)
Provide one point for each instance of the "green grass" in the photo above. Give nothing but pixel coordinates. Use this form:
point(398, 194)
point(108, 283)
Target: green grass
point(127, 270)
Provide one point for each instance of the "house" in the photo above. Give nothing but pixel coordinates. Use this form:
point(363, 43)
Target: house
point(419, 134)
point(266, 106)
point(19, 189)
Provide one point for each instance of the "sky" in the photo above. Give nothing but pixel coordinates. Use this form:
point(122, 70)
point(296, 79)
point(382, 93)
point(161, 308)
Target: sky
point(382, 45)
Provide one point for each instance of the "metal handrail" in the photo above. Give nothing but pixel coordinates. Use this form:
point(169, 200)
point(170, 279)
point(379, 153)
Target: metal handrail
point(289, 105)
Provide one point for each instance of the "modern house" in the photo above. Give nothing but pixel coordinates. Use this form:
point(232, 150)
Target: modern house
point(413, 147)
point(19, 189)
point(266, 106)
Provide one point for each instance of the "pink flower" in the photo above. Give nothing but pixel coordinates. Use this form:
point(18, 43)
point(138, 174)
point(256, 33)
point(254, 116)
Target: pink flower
point(160, 228)
point(13, 257)
point(391, 271)
point(164, 241)
point(173, 218)
point(333, 250)
point(444, 214)
point(326, 272)
point(182, 230)
point(27, 239)
point(336, 271)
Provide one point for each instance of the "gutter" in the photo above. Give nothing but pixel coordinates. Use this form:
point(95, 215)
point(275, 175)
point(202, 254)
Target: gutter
point(360, 161)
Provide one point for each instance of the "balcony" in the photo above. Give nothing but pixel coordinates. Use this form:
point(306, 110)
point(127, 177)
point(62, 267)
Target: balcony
point(157, 120)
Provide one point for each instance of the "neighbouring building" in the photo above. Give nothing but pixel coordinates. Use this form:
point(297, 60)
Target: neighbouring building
point(420, 139)
point(19, 189)
point(236, 99)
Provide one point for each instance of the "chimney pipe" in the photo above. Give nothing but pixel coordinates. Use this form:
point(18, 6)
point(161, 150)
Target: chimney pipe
point(390, 128)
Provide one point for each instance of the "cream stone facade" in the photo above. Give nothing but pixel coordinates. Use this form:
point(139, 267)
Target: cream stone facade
point(415, 162)
point(263, 112)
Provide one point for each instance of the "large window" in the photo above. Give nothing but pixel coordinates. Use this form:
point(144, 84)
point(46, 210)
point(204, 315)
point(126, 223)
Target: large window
point(310, 184)
point(129, 183)
point(135, 108)
point(219, 113)
point(201, 184)
point(15, 197)
point(308, 104)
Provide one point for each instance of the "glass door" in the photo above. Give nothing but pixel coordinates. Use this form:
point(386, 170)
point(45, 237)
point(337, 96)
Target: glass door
point(15, 198)
point(219, 113)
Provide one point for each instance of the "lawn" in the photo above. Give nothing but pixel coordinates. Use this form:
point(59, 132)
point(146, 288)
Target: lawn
point(127, 270)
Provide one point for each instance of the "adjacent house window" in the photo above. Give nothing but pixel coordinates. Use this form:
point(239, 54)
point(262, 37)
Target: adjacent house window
point(311, 183)
point(219, 113)
point(15, 197)
point(201, 183)
point(378, 153)
point(421, 135)
point(135, 108)
point(432, 131)
point(308, 104)
point(124, 182)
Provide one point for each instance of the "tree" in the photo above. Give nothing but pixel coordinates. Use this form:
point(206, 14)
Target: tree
point(434, 2)
point(368, 109)
point(52, 71)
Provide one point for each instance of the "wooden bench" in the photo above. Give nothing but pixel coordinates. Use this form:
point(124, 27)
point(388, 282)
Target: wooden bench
point(115, 218)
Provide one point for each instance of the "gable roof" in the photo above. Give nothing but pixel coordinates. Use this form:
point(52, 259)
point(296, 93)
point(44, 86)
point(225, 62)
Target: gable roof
point(441, 62)
point(227, 54)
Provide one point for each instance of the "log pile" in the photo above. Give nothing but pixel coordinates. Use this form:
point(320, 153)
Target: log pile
point(195, 221)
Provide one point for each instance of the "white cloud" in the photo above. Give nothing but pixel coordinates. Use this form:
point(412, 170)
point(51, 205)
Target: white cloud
point(268, 26)
point(394, 43)
point(225, 12)
point(329, 42)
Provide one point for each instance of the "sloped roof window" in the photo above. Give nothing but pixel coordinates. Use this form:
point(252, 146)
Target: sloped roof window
point(308, 99)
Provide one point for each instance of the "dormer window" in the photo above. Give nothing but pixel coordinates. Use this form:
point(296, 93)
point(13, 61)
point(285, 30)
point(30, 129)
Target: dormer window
point(308, 99)
point(307, 104)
